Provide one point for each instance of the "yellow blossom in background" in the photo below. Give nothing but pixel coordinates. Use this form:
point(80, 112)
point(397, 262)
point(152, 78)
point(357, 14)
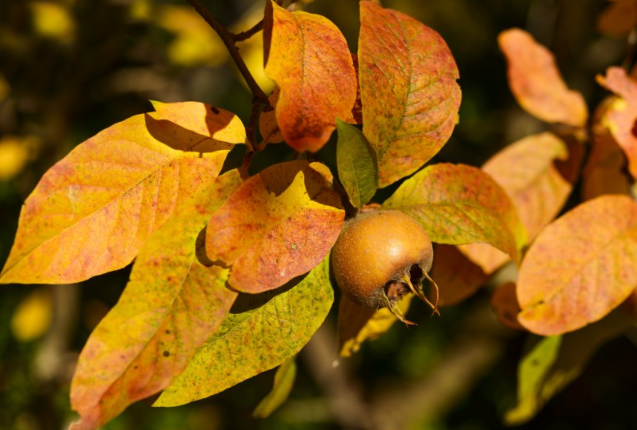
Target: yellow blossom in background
point(32, 318)
point(195, 44)
point(141, 10)
point(52, 20)
point(15, 152)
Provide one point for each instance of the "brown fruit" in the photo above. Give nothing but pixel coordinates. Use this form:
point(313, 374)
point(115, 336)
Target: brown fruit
point(380, 256)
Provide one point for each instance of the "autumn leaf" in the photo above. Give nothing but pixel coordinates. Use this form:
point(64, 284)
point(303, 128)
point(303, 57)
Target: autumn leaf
point(532, 370)
point(357, 164)
point(307, 57)
point(260, 333)
point(552, 363)
point(504, 302)
point(277, 225)
point(283, 383)
point(357, 324)
point(526, 172)
point(580, 267)
point(409, 91)
point(457, 276)
point(536, 82)
point(459, 204)
point(268, 127)
point(170, 306)
point(621, 116)
point(605, 171)
point(93, 210)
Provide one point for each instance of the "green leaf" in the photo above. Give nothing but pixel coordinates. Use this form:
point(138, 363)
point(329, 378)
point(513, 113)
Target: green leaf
point(261, 332)
point(283, 383)
point(556, 361)
point(459, 204)
point(357, 164)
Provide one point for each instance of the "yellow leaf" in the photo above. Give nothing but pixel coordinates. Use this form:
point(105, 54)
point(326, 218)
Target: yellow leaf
point(357, 324)
point(93, 210)
point(32, 318)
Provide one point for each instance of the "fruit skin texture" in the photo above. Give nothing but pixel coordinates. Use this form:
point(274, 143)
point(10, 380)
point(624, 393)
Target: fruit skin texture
point(375, 252)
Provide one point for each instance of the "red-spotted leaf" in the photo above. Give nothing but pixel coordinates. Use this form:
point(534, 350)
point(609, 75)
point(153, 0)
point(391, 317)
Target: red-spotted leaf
point(459, 204)
point(621, 115)
point(260, 333)
point(536, 82)
point(308, 58)
point(93, 210)
point(580, 267)
point(170, 306)
point(409, 91)
point(357, 324)
point(277, 225)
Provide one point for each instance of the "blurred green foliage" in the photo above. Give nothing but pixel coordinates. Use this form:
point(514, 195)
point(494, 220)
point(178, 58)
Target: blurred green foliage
point(70, 68)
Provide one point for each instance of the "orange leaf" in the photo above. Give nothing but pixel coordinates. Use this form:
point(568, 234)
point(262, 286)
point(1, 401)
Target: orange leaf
point(505, 305)
point(457, 277)
point(580, 267)
point(536, 82)
point(618, 18)
point(170, 306)
point(277, 225)
point(621, 116)
point(93, 210)
point(605, 171)
point(308, 58)
point(526, 172)
point(408, 89)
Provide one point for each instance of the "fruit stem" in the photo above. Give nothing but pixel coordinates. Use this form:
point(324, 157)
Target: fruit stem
point(396, 311)
point(420, 293)
point(437, 291)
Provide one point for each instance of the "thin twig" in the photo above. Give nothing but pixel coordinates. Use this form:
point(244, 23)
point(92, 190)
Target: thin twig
point(244, 35)
point(228, 40)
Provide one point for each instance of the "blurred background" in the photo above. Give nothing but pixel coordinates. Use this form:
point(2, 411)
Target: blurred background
point(70, 68)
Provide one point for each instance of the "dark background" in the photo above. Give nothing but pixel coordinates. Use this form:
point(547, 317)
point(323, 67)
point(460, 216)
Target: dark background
point(69, 69)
